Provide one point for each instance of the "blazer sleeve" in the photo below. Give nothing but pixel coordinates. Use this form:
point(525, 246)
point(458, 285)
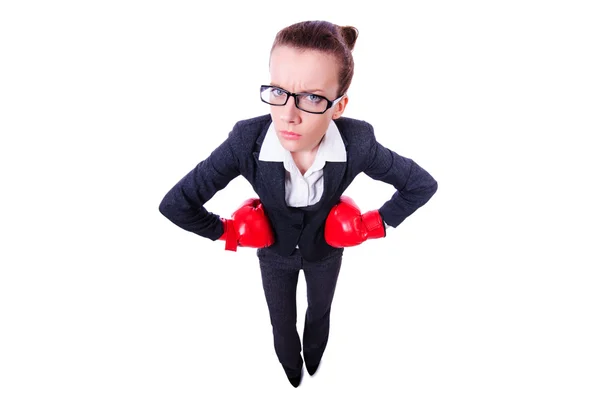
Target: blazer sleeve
point(414, 186)
point(184, 203)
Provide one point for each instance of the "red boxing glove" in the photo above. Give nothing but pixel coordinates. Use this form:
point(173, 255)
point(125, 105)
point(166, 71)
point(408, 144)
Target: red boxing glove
point(249, 227)
point(346, 227)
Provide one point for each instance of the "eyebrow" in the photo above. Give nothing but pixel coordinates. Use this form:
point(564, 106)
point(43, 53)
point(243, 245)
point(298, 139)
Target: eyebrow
point(305, 91)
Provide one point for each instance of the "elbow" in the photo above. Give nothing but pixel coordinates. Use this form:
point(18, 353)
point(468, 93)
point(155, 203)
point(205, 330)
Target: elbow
point(434, 187)
point(164, 207)
point(430, 190)
point(425, 192)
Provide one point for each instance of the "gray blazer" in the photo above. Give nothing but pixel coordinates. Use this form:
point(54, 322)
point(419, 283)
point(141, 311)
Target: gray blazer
point(302, 227)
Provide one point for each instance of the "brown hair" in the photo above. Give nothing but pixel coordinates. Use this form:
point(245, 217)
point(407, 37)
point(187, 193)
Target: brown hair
point(327, 38)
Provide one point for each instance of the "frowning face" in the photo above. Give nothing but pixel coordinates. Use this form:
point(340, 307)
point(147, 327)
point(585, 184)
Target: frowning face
point(303, 71)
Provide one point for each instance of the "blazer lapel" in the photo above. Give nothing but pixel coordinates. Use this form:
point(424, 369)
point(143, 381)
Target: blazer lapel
point(272, 176)
point(333, 174)
point(270, 173)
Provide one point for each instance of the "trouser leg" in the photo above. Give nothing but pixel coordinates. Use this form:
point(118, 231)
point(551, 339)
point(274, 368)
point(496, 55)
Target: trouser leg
point(280, 281)
point(321, 279)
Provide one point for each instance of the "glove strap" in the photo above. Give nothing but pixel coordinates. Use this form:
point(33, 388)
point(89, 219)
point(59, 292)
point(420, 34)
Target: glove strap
point(231, 238)
point(374, 224)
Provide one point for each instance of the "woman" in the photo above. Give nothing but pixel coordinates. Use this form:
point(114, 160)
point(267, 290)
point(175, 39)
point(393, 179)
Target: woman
point(299, 160)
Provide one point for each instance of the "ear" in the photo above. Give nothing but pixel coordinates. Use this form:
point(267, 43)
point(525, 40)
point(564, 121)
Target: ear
point(339, 108)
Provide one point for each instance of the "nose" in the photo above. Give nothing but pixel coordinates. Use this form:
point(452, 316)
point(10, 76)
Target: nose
point(289, 112)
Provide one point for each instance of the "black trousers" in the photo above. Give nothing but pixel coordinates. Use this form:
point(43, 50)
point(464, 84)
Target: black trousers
point(280, 279)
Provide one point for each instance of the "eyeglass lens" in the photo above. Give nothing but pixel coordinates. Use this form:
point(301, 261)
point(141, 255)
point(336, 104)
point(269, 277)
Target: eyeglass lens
point(305, 101)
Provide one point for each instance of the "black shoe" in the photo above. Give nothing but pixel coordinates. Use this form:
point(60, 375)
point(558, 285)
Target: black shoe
point(295, 380)
point(312, 368)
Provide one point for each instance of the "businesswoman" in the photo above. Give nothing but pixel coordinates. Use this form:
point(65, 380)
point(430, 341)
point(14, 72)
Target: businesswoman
point(299, 159)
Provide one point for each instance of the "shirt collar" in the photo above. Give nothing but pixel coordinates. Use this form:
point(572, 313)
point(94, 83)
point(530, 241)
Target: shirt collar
point(331, 148)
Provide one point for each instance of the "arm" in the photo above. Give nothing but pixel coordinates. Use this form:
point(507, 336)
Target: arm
point(184, 203)
point(414, 186)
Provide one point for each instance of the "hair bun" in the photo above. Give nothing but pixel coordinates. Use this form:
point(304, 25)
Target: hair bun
point(350, 34)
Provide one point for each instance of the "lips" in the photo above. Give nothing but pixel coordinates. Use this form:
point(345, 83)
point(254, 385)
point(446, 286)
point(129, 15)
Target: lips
point(290, 135)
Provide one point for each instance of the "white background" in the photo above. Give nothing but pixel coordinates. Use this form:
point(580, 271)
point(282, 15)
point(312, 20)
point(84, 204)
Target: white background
point(491, 289)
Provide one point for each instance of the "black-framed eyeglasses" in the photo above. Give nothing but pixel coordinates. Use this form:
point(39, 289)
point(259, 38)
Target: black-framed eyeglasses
point(306, 101)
